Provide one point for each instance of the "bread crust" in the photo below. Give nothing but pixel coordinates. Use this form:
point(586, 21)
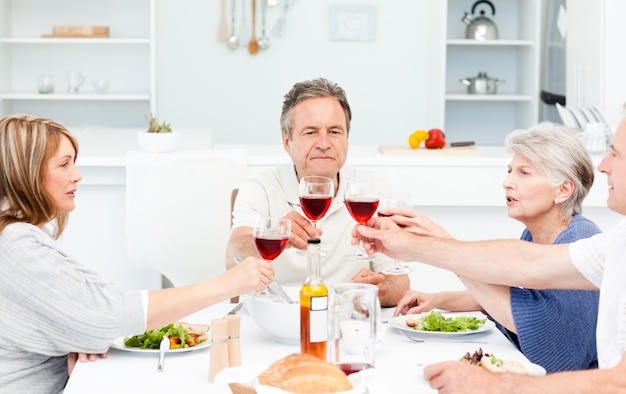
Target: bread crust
point(199, 329)
point(304, 373)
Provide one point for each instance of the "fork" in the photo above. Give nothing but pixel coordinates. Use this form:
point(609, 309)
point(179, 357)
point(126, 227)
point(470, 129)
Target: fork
point(421, 340)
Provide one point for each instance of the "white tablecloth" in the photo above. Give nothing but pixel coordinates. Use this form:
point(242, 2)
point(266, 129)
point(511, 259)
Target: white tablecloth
point(398, 361)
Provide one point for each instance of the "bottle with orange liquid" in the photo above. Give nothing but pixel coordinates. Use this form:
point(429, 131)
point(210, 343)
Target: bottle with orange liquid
point(313, 306)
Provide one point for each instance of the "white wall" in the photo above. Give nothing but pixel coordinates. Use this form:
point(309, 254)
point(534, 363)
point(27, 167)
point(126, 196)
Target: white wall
point(395, 84)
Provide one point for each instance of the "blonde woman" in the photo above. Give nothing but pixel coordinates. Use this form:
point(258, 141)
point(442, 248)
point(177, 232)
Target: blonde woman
point(58, 307)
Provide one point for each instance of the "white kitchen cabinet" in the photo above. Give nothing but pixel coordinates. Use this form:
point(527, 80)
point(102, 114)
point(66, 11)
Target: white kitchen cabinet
point(595, 67)
point(126, 59)
point(514, 57)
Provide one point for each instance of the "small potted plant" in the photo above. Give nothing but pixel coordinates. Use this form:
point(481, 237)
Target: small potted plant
point(159, 138)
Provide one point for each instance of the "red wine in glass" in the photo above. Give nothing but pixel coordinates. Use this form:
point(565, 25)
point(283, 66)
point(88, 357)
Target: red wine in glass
point(350, 368)
point(361, 209)
point(270, 247)
point(315, 207)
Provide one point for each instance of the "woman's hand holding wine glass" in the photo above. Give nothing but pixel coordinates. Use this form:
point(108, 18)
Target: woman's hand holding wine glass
point(271, 236)
point(361, 199)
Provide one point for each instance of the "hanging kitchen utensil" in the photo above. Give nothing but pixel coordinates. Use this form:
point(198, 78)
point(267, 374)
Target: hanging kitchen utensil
point(481, 27)
point(243, 27)
point(482, 84)
point(279, 27)
point(264, 41)
point(253, 46)
point(233, 41)
point(222, 27)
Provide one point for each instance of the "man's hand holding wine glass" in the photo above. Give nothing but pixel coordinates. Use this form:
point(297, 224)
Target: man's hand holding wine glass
point(301, 230)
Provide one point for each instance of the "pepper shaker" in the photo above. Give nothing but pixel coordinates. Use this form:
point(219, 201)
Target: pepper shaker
point(219, 347)
point(234, 349)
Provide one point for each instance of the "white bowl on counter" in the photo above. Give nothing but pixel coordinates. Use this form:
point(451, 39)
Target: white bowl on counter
point(278, 319)
point(157, 142)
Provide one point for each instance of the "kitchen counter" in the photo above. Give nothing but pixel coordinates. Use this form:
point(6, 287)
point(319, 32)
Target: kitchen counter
point(461, 190)
point(469, 176)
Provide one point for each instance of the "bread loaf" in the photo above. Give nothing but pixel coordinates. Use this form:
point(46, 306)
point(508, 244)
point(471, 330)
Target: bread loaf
point(303, 373)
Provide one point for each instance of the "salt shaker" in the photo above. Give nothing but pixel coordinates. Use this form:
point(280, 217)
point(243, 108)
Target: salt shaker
point(219, 347)
point(234, 349)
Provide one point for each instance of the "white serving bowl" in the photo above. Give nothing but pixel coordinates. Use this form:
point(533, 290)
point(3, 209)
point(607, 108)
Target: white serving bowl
point(278, 319)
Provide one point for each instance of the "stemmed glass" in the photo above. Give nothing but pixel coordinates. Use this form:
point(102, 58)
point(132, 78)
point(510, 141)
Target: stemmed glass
point(394, 200)
point(361, 198)
point(316, 194)
point(271, 236)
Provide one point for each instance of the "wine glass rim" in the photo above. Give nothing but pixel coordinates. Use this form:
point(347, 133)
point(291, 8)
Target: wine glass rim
point(266, 217)
point(313, 178)
point(394, 194)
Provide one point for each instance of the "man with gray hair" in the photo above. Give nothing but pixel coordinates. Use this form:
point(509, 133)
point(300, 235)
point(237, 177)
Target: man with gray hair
point(315, 123)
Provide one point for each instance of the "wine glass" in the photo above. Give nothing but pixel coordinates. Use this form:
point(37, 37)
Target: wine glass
point(316, 194)
point(271, 236)
point(394, 200)
point(361, 198)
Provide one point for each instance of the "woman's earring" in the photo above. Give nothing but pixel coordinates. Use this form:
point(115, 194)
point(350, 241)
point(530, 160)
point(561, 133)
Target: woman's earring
point(556, 202)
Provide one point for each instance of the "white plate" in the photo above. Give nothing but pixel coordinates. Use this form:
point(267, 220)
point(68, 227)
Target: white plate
point(533, 369)
point(118, 344)
point(399, 322)
point(567, 117)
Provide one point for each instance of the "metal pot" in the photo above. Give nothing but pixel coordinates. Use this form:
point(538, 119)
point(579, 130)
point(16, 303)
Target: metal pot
point(481, 27)
point(482, 84)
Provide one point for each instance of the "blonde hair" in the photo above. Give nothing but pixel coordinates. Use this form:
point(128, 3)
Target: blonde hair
point(26, 145)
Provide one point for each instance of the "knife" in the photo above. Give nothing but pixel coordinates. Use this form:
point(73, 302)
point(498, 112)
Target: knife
point(234, 310)
point(165, 346)
point(274, 288)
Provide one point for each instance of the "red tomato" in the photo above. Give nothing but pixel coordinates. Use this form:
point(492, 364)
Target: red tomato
point(194, 339)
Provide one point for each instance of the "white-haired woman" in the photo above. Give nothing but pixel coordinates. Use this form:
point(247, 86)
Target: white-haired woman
point(548, 178)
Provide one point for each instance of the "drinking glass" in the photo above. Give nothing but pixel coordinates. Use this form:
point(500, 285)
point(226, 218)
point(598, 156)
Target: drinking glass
point(361, 198)
point(45, 84)
point(271, 236)
point(394, 200)
point(74, 81)
point(354, 313)
point(316, 194)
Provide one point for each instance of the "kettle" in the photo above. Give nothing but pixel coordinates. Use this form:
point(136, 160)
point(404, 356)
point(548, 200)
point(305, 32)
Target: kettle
point(481, 27)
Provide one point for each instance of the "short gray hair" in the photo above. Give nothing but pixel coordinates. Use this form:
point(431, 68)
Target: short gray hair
point(559, 153)
point(314, 88)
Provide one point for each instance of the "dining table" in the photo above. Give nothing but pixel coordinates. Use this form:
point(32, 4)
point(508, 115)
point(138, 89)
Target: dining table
point(398, 365)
